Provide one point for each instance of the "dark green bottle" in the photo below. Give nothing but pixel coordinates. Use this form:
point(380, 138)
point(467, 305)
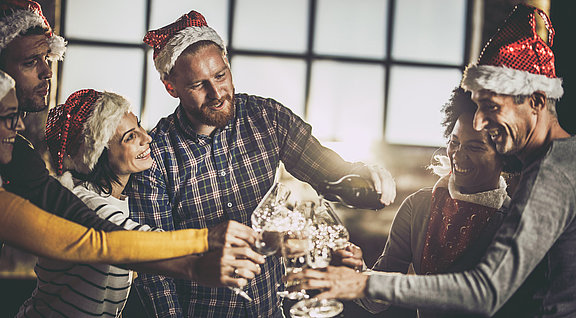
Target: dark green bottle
point(353, 191)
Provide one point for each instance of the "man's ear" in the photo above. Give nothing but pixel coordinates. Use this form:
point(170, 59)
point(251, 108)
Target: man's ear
point(538, 101)
point(170, 88)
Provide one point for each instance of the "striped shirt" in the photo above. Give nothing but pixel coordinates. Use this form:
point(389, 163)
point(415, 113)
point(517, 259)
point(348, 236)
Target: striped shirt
point(83, 290)
point(200, 181)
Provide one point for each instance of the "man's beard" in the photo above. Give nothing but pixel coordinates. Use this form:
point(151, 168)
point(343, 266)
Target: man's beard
point(30, 102)
point(215, 118)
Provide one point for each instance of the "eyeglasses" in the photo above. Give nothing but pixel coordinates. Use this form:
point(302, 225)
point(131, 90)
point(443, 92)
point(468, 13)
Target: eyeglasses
point(11, 121)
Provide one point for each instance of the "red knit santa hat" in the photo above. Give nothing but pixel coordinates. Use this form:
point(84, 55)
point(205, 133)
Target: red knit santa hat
point(170, 41)
point(516, 61)
point(21, 15)
point(78, 130)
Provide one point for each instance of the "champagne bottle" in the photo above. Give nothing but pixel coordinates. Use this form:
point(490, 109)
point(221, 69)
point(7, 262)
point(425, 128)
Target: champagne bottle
point(353, 191)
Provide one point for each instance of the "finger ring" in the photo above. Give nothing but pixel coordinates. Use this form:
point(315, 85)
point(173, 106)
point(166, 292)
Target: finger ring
point(236, 272)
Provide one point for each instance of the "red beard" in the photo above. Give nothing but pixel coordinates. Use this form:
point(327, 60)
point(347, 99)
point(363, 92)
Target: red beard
point(216, 117)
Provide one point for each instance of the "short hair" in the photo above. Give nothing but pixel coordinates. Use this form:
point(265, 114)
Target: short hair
point(550, 103)
point(36, 30)
point(460, 102)
point(195, 47)
point(102, 176)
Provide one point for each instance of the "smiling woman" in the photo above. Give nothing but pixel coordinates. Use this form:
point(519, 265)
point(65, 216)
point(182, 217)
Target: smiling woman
point(447, 228)
point(9, 116)
point(96, 143)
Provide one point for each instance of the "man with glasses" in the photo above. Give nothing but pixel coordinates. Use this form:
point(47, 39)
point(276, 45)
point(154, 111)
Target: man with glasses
point(27, 47)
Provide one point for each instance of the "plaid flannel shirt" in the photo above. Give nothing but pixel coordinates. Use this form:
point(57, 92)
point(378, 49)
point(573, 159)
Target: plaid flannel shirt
point(199, 181)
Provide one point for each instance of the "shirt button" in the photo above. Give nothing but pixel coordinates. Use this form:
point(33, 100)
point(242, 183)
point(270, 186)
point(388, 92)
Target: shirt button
point(229, 204)
point(222, 173)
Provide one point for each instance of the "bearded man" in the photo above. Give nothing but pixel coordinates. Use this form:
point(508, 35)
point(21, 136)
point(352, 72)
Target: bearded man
point(216, 156)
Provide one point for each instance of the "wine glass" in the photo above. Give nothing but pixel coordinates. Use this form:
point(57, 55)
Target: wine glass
point(267, 222)
point(328, 234)
point(269, 225)
point(277, 195)
point(325, 215)
point(295, 247)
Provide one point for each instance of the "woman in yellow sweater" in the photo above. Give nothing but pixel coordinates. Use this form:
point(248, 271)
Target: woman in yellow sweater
point(24, 225)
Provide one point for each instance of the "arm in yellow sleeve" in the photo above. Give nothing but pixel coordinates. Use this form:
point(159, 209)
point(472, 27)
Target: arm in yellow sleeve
point(24, 225)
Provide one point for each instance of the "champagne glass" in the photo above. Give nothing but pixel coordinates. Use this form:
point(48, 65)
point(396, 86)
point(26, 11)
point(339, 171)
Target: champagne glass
point(295, 247)
point(277, 195)
point(266, 221)
point(328, 233)
point(269, 226)
point(338, 235)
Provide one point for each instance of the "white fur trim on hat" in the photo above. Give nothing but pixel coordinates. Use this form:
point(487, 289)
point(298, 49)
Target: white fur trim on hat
point(6, 84)
point(57, 48)
point(167, 57)
point(509, 81)
point(106, 114)
point(22, 20)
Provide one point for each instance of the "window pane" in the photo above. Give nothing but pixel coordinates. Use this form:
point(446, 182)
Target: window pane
point(159, 103)
point(430, 31)
point(92, 20)
point(116, 70)
point(278, 78)
point(346, 101)
point(272, 25)
point(414, 106)
point(215, 12)
point(355, 28)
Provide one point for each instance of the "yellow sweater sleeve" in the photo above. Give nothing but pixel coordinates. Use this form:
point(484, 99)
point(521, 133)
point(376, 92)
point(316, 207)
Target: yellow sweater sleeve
point(24, 225)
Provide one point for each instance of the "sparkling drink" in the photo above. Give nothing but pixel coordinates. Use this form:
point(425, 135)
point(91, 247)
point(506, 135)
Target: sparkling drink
point(268, 242)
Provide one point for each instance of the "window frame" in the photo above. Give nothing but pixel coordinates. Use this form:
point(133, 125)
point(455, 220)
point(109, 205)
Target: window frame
point(309, 56)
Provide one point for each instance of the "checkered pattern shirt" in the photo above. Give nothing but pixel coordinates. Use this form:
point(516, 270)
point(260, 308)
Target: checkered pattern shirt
point(199, 181)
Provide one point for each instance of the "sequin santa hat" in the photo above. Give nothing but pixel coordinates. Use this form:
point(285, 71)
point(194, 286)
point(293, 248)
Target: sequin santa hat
point(516, 61)
point(78, 130)
point(170, 41)
point(21, 15)
point(6, 84)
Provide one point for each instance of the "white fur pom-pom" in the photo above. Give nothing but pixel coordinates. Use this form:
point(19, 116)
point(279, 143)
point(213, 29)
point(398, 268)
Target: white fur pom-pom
point(443, 167)
point(67, 180)
point(57, 48)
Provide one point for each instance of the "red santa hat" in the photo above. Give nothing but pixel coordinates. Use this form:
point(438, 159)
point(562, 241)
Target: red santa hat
point(6, 84)
point(21, 15)
point(170, 41)
point(516, 61)
point(78, 130)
